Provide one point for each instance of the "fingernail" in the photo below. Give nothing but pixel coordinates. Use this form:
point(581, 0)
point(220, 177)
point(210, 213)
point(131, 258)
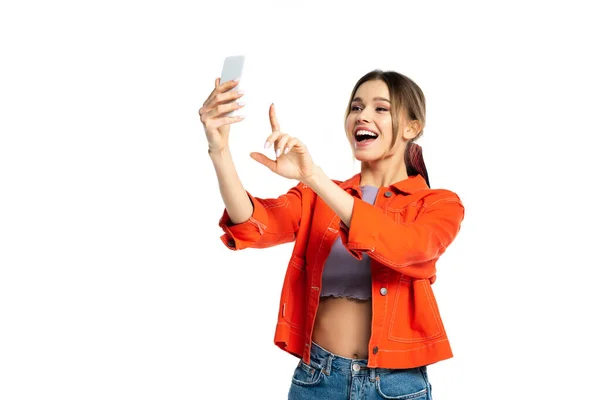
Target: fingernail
point(287, 150)
point(278, 152)
point(241, 103)
point(267, 144)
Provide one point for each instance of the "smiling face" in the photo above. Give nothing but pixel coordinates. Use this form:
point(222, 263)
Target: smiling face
point(369, 124)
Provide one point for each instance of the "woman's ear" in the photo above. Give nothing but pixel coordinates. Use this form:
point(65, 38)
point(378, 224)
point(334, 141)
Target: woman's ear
point(412, 130)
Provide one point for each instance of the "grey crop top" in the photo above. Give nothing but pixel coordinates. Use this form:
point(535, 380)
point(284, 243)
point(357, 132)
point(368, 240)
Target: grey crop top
point(344, 275)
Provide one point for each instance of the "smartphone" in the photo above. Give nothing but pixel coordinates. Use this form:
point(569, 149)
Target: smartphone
point(233, 66)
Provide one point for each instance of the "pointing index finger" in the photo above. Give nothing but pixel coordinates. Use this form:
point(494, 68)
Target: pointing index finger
point(273, 119)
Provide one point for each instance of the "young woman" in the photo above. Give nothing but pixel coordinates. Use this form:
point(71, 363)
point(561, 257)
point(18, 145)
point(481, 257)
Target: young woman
point(356, 305)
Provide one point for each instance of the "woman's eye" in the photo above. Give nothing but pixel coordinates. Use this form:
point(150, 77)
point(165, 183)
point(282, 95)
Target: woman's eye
point(355, 108)
point(382, 109)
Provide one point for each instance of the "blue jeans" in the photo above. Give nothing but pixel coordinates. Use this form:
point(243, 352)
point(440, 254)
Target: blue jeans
point(332, 377)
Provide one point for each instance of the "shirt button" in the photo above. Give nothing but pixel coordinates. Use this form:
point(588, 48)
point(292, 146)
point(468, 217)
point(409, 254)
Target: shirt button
point(388, 194)
point(375, 350)
point(355, 367)
point(383, 291)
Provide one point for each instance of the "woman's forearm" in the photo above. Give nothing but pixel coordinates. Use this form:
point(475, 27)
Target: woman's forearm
point(341, 202)
point(238, 205)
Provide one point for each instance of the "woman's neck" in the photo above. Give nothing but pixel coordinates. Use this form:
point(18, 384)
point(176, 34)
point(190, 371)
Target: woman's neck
point(382, 173)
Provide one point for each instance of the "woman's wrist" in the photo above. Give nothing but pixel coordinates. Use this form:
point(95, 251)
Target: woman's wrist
point(218, 153)
point(316, 179)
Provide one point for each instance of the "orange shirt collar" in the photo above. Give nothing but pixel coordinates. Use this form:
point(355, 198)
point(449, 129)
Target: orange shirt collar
point(409, 185)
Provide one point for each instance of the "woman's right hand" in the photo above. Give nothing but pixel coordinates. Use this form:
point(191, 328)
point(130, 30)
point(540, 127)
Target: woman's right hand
point(213, 112)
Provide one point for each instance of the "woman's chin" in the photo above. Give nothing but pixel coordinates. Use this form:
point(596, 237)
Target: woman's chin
point(366, 155)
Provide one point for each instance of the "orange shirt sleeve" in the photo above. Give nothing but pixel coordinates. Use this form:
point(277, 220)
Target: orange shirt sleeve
point(273, 221)
point(405, 247)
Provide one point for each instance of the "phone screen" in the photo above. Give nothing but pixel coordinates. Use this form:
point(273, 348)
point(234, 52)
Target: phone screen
point(232, 68)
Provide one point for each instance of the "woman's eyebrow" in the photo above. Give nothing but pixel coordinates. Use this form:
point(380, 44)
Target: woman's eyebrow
point(374, 98)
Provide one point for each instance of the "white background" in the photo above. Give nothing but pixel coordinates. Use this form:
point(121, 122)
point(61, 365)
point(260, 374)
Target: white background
point(114, 283)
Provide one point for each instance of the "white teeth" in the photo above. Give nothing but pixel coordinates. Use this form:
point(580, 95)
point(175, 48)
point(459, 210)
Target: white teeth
point(367, 133)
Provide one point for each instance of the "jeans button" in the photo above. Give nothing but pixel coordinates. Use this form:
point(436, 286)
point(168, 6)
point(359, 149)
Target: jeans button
point(355, 367)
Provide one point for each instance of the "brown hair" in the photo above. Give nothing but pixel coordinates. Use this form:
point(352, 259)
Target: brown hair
point(406, 97)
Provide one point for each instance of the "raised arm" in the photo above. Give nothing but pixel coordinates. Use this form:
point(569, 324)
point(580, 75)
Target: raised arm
point(214, 117)
point(247, 221)
point(405, 247)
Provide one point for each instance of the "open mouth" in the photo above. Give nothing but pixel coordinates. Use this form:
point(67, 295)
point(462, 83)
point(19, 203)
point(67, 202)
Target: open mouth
point(364, 137)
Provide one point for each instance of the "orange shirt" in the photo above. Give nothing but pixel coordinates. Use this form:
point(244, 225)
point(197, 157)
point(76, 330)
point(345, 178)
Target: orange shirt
point(404, 232)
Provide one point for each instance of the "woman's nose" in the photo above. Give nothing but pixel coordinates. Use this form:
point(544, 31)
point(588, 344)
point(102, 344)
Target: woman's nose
point(363, 116)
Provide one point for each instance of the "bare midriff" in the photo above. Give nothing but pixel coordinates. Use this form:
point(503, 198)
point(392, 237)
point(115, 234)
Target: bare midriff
point(343, 326)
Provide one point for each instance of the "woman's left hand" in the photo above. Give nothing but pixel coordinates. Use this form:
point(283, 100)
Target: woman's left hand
point(292, 159)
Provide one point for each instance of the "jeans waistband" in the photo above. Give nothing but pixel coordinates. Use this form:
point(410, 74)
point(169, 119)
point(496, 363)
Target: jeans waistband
point(328, 362)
